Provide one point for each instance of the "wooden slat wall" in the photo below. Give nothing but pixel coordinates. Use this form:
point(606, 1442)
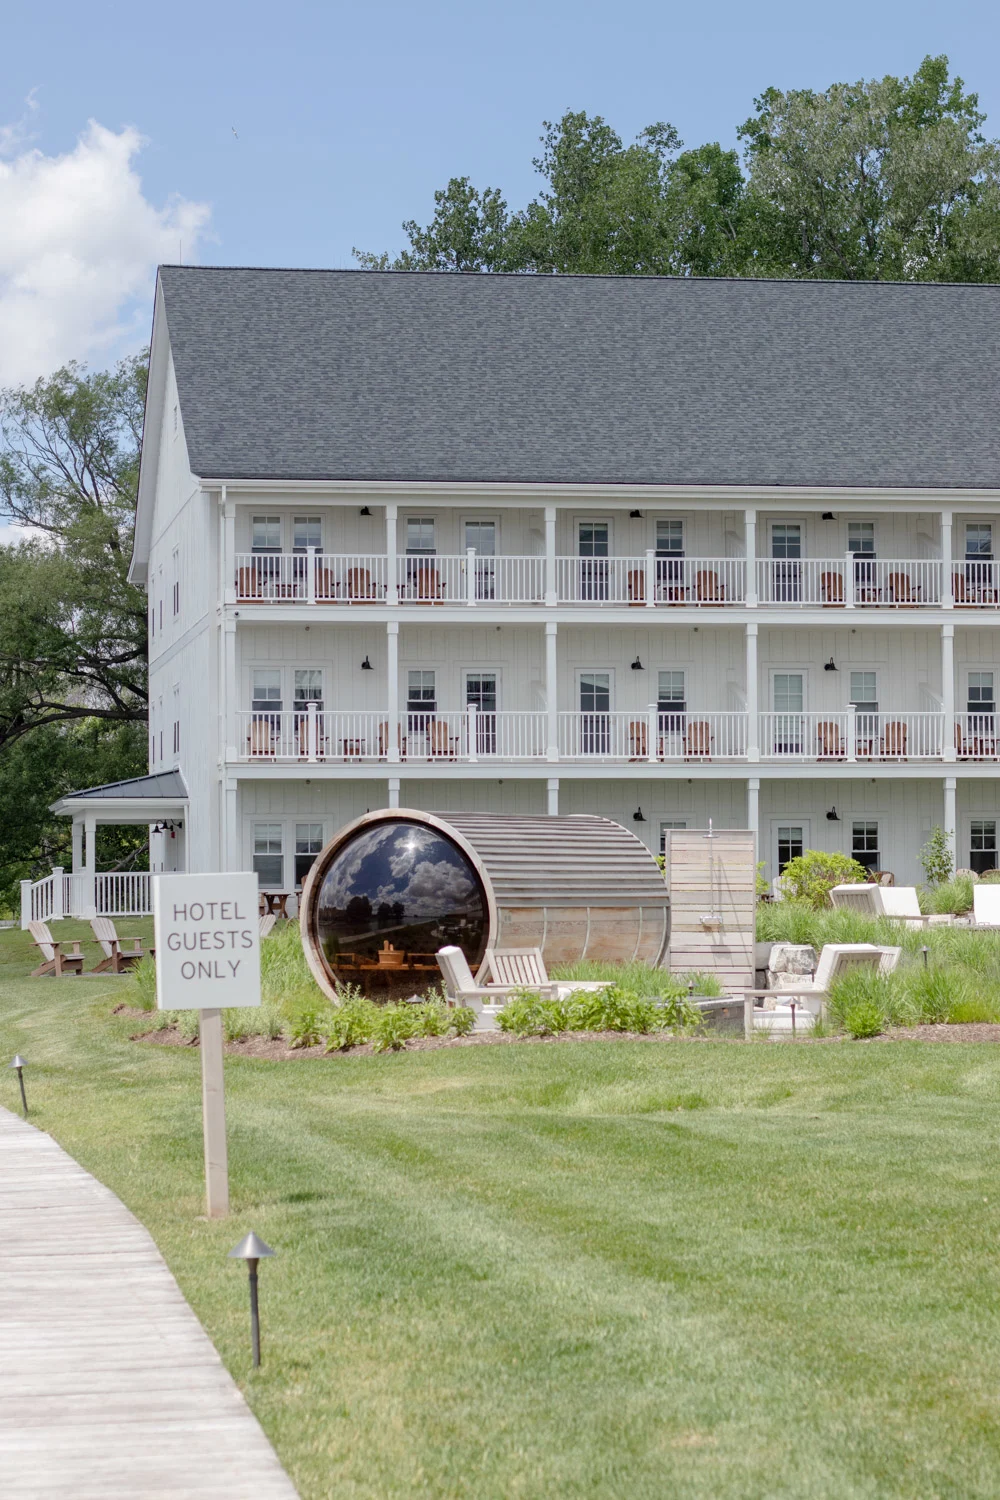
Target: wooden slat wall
point(705, 877)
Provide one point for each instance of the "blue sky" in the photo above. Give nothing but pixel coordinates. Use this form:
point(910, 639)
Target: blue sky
point(347, 117)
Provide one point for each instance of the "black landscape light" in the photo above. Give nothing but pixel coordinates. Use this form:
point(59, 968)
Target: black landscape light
point(20, 1064)
point(253, 1251)
point(366, 666)
point(925, 950)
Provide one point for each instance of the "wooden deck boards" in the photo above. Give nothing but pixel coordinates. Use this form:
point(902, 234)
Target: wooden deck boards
point(110, 1389)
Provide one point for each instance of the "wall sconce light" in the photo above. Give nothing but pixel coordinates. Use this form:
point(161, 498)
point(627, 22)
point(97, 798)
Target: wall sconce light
point(828, 515)
point(830, 666)
point(366, 666)
point(159, 828)
point(833, 816)
point(637, 816)
point(635, 515)
point(365, 511)
point(637, 666)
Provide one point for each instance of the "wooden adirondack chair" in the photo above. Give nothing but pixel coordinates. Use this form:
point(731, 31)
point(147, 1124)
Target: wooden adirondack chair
point(116, 960)
point(832, 588)
point(638, 739)
point(829, 741)
point(55, 961)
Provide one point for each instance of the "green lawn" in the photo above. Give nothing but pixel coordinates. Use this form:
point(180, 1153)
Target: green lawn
point(686, 1268)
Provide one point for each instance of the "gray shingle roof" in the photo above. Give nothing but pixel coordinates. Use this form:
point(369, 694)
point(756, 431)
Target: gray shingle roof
point(637, 380)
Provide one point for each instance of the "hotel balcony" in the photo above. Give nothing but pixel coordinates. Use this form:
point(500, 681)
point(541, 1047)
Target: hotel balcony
point(647, 580)
point(470, 736)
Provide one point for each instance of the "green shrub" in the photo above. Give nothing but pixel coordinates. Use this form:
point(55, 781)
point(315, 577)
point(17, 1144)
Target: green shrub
point(810, 877)
point(143, 984)
point(394, 1025)
point(927, 995)
point(863, 1018)
point(527, 1014)
point(614, 1009)
point(430, 1018)
point(351, 1023)
point(310, 1022)
point(857, 990)
point(951, 895)
point(462, 1019)
point(936, 857)
point(973, 1008)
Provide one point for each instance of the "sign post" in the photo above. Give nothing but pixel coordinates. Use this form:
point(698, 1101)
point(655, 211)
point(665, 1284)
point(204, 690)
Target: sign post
point(207, 939)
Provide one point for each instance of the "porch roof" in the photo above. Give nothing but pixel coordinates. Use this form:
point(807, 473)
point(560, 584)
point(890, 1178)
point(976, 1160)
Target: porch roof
point(142, 799)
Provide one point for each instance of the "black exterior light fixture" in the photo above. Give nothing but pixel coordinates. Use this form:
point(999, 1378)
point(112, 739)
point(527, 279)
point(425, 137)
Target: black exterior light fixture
point(365, 511)
point(366, 666)
point(833, 815)
point(637, 666)
point(828, 515)
point(637, 816)
point(253, 1251)
point(19, 1064)
point(830, 666)
point(635, 515)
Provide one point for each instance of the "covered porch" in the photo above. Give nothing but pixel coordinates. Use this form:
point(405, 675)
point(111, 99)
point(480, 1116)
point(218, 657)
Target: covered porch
point(159, 802)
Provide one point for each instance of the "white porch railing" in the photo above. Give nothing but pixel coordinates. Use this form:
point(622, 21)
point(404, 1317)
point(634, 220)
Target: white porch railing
point(846, 735)
point(976, 736)
point(650, 580)
point(849, 582)
point(112, 893)
point(653, 736)
point(311, 577)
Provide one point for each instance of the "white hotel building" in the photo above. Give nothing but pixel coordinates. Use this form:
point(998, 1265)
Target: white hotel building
point(664, 550)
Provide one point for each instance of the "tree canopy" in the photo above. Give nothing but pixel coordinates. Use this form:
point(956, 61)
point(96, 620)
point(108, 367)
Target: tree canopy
point(887, 179)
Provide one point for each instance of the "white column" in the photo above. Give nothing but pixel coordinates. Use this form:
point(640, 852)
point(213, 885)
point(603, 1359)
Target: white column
point(650, 578)
point(551, 692)
point(948, 689)
point(550, 555)
point(58, 894)
point(392, 686)
point(391, 580)
point(753, 727)
point(552, 790)
point(950, 815)
point(753, 811)
point(90, 866)
point(393, 791)
point(470, 576)
point(77, 864)
point(228, 549)
point(230, 831)
point(948, 582)
point(750, 548)
point(228, 691)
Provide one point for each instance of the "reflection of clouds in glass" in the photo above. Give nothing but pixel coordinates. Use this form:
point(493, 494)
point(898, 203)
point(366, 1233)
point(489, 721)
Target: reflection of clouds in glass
point(432, 889)
point(415, 843)
point(341, 879)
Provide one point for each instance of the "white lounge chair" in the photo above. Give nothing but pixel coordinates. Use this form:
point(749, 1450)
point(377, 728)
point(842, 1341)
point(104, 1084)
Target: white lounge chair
point(811, 995)
point(858, 897)
point(986, 905)
point(524, 968)
point(117, 960)
point(487, 1000)
point(54, 960)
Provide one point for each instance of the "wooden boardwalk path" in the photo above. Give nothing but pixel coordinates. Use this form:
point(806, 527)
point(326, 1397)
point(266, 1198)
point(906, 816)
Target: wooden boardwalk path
point(110, 1389)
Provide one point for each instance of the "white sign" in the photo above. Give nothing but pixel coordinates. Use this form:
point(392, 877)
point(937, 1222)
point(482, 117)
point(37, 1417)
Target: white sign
point(207, 938)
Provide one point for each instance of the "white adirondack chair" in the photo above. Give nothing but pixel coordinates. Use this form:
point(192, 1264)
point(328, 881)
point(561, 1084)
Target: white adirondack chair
point(116, 959)
point(858, 897)
point(487, 1000)
point(267, 922)
point(986, 905)
point(524, 968)
point(835, 960)
point(54, 960)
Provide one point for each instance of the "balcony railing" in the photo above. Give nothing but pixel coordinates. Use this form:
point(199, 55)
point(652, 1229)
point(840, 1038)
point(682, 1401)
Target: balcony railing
point(644, 581)
point(849, 735)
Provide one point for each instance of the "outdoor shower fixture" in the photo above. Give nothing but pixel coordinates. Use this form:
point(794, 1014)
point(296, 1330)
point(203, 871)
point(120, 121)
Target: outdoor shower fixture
point(711, 919)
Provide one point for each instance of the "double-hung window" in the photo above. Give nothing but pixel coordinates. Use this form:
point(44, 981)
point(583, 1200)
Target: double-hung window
point(268, 855)
point(671, 702)
point(265, 711)
point(595, 712)
point(670, 558)
point(265, 543)
point(861, 545)
point(788, 689)
point(593, 547)
point(421, 700)
point(982, 845)
point(786, 565)
point(981, 718)
point(864, 700)
point(864, 843)
point(308, 843)
point(979, 561)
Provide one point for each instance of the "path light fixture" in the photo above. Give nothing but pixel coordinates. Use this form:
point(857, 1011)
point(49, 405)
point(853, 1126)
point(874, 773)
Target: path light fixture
point(637, 816)
point(366, 666)
point(253, 1251)
point(637, 666)
point(925, 950)
point(830, 666)
point(19, 1064)
point(833, 815)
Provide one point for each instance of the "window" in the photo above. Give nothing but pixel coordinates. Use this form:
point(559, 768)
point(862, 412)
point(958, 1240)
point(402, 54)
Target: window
point(308, 843)
point(864, 843)
point(981, 700)
point(266, 534)
point(666, 828)
point(787, 689)
point(268, 855)
point(308, 688)
point(152, 622)
point(266, 690)
point(177, 598)
point(791, 843)
point(481, 689)
point(671, 702)
point(861, 538)
point(981, 721)
point(979, 540)
point(595, 706)
point(420, 536)
point(421, 699)
point(481, 536)
point(864, 697)
point(786, 549)
point(177, 736)
point(161, 614)
point(982, 845)
point(670, 538)
point(307, 531)
point(593, 538)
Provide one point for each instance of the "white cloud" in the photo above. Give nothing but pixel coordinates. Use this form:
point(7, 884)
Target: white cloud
point(79, 246)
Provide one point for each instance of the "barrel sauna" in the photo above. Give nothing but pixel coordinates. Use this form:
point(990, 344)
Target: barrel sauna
point(396, 885)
